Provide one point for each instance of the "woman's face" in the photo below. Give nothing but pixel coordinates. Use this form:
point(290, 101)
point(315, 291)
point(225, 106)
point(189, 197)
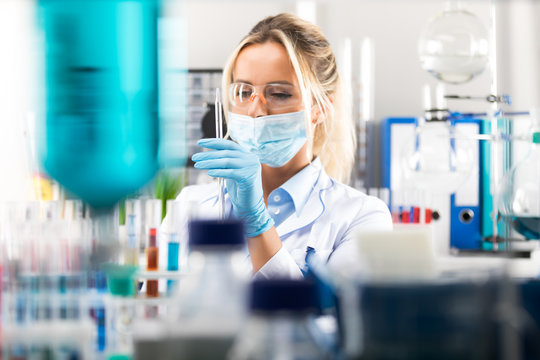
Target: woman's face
point(267, 67)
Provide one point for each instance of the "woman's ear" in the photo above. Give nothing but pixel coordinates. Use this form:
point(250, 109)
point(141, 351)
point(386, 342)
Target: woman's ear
point(331, 98)
point(315, 114)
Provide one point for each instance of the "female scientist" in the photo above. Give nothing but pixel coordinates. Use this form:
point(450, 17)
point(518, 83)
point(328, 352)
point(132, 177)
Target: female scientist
point(291, 151)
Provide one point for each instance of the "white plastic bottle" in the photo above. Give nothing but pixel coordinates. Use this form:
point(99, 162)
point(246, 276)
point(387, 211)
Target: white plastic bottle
point(212, 299)
point(281, 323)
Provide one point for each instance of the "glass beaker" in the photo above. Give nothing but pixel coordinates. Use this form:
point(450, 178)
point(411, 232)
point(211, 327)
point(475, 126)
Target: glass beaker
point(520, 192)
point(438, 159)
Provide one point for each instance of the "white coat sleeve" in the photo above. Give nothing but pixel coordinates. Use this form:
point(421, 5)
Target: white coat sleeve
point(374, 216)
point(281, 265)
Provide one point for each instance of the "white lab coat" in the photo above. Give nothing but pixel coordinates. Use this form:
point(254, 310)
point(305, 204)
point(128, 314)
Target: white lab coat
point(332, 214)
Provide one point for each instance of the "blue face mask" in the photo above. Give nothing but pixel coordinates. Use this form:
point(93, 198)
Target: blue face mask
point(275, 139)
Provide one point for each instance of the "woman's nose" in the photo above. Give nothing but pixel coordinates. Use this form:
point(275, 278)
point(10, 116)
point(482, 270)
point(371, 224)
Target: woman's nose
point(257, 106)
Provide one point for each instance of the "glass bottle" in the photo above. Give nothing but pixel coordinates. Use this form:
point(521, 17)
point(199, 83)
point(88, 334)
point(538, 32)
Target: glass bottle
point(520, 192)
point(454, 46)
point(101, 134)
point(281, 323)
point(211, 301)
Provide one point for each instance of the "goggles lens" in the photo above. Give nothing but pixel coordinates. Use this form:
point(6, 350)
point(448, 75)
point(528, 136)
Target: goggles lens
point(274, 96)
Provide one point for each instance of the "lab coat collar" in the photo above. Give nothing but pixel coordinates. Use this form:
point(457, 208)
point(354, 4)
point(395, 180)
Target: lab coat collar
point(210, 203)
point(313, 206)
point(213, 198)
point(300, 186)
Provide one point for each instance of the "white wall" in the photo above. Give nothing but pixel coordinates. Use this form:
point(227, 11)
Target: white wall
point(519, 52)
point(216, 27)
point(393, 25)
point(18, 88)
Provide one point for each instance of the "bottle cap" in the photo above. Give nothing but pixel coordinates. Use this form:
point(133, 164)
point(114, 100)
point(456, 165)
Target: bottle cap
point(152, 237)
point(283, 295)
point(216, 233)
point(120, 279)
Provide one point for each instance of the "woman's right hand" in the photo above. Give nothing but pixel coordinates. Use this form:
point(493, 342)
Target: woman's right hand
point(242, 173)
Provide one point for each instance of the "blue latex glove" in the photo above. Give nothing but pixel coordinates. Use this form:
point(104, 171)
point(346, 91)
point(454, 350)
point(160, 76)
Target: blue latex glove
point(242, 173)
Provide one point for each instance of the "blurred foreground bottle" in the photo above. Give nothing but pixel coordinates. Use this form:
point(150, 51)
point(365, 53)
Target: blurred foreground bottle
point(212, 300)
point(101, 132)
point(281, 323)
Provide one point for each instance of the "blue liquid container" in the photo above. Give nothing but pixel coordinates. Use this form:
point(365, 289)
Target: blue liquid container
point(172, 256)
point(528, 226)
point(102, 132)
point(172, 259)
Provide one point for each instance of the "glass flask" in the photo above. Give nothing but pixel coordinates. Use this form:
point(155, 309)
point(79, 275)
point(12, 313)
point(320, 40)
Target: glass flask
point(437, 159)
point(211, 301)
point(281, 323)
point(520, 188)
point(454, 46)
point(101, 133)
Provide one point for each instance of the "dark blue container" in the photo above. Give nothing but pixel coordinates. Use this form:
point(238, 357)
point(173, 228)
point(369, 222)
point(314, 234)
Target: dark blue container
point(216, 234)
point(457, 320)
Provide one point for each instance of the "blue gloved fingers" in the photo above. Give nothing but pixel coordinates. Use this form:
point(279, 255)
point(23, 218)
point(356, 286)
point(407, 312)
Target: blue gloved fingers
point(241, 177)
point(242, 173)
point(217, 154)
point(225, 163)
point(230, 174)
point(219, 144)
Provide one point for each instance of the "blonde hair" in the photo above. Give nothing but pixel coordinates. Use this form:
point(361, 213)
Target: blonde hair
point(314, 63)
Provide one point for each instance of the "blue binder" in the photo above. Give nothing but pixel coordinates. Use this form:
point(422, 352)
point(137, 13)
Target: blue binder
point(465, 216)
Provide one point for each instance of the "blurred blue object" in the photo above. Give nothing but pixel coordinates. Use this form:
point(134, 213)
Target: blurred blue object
point(454, 320)
point(530, 298)
point(101, 73)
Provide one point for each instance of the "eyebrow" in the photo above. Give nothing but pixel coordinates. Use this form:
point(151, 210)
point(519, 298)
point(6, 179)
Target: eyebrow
point(283, 82)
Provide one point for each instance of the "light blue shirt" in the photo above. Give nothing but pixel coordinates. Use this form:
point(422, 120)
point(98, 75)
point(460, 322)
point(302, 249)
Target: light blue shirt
point(291, 197)
point(280, 205)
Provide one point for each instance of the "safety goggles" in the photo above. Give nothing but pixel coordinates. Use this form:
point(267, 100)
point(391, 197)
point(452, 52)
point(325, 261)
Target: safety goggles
point(273, 96)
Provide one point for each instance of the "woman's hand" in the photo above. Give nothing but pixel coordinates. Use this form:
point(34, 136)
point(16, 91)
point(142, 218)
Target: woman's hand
point(242, 173)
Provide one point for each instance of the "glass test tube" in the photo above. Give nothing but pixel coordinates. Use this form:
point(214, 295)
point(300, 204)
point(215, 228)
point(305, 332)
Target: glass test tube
point(173, 241)
point(218, 109)
point(133, 219)
point(153, 213)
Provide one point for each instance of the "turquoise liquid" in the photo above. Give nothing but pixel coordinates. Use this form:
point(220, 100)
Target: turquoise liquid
point(528, 226)
point(172, 261)
point(172, 256)
point(101, 134)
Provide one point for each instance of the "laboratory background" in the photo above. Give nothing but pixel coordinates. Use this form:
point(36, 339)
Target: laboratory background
point(102, 104)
